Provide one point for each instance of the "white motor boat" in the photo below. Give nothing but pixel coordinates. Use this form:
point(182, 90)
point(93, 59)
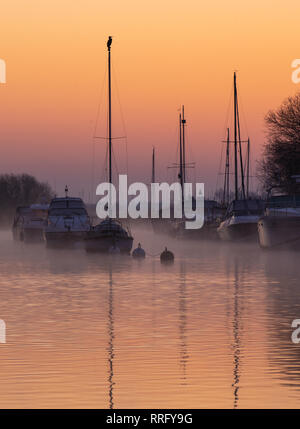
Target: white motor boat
point(68, 222)
point(29, 223)
point(279, 228)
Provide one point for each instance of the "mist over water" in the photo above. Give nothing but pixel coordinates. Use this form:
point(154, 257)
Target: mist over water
point(211, 330)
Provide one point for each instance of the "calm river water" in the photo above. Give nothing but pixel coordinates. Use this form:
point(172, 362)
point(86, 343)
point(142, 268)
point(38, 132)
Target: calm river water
point(212, 330)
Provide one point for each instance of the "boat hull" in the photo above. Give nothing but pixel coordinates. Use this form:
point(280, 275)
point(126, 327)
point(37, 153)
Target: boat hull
point(103, 244)
point(279, 232)
point(207, 232)
point(238, 232)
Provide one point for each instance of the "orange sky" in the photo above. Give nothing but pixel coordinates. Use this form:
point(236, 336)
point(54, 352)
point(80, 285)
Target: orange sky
point(165, 53)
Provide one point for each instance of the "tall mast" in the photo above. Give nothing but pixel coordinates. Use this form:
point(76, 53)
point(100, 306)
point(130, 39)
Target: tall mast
point(236, 185)
point(181, 157)
point(248, 166)
point(153, 165)
point(183, 144)
point(226, 176)
point(109, 42)
point(180, 151)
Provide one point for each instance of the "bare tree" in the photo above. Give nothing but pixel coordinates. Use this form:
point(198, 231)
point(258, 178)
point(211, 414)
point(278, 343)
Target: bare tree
point(281, 156)
point(20, 190)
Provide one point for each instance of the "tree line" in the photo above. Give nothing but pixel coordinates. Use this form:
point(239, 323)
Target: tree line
point(20, 190)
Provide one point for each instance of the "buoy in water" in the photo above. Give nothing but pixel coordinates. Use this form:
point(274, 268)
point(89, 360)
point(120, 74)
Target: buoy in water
point(166, 257)
point(139, 253)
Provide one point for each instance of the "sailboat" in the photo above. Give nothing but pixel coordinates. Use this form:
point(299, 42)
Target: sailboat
point(212, 209)
point(109, 235)
point(170, 226)
point(243, 213)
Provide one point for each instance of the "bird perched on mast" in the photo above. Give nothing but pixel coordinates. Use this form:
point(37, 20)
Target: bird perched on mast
point(109, 42)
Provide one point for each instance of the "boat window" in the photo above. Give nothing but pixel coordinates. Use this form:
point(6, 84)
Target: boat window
point(67, 212)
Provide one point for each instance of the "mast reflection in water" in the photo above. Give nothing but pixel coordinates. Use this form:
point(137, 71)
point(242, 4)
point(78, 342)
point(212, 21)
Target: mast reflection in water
point(236, 337)
point(183, 323)
point(111, 337)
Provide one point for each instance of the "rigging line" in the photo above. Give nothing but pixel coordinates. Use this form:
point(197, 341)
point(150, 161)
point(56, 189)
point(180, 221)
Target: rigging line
point(243, 113)
point(153, 255)
point(225, 126)
point(219, 169)
point(173, 175)
point(189, 147)
point(104, 165)
point(247, 132)
point(229, 108)
point(241, 154)
point(115, 161)
point(99, 104)
point(193, 156)
point(122, 114)
point(101, 90)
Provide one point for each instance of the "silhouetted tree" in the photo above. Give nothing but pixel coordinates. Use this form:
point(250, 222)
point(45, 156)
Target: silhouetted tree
point(281, 156)
point(20, 190)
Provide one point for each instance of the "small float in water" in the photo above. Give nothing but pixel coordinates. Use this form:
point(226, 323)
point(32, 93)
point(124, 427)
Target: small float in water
point(167, 257)
point(139, 252)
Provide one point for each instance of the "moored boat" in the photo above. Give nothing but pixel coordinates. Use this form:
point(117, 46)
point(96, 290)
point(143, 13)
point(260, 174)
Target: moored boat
point(109, 235)
point(243, 213)
point(240, 221)
point(279, 228)
point(67, 222)
point(212, 213)
point(29, 223)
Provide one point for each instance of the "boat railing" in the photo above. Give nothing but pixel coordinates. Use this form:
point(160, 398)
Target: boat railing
point(275, 210)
